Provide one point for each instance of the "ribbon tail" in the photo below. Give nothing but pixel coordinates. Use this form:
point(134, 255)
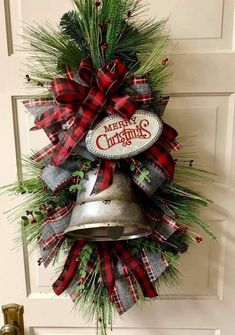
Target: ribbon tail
point(68, 142)
point(71, 264)
point(160, 104)
point(43, 154)
point(47, 254)
point(105, 176)
point(56, 178)
point(106, 266)
point(168, 133)
point(135, 268)
point(52, 235)
point(124, 295)
point(160, 151)
point(163, 159)
point(167, 227)
point(155, 264)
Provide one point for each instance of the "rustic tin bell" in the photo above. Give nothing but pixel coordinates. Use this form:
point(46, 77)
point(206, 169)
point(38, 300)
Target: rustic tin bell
point(112, 214)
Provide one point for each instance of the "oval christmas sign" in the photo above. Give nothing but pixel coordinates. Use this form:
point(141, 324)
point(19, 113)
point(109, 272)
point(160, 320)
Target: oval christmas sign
point(115, 137)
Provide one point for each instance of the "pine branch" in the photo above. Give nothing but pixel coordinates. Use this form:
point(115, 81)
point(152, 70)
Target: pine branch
point(116, 13)
point(152, 61)
point(50, 51)
point(87, 12)
point(71, 25)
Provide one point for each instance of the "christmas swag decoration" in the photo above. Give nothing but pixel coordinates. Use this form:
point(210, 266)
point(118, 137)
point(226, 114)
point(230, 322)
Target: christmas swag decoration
point(106, 194)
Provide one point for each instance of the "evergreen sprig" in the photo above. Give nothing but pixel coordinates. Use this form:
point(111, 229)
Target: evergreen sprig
point(89, 23)
point(70, 24)
point(50, 51)
point(100, 32)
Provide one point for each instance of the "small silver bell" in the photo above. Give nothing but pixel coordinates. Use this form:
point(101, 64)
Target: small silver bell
point(112, 214)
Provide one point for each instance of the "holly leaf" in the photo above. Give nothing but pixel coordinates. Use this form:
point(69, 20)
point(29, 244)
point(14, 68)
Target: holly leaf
point(145, 172)
point(87, 163)
point(83, 273)
point(76, 187)
point(39, 215)
point(81, 287)
point(80, 174)
point(132, 167)
point(25, 220)
point(142, 177)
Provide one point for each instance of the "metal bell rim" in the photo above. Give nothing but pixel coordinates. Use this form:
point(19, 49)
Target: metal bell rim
point(69, 232)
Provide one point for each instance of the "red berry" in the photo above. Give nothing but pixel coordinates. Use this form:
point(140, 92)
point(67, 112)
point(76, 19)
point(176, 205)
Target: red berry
point(199, 239)
point(135, 162)
point(29, 213)
point(104, 46)
point(101, 24)
point(165, 61)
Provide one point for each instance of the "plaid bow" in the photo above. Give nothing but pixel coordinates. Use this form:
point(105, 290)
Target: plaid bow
point(80, 102)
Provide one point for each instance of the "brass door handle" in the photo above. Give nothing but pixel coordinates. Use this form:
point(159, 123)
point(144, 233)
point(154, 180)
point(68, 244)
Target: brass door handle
point(13, 320)
point(9, 330)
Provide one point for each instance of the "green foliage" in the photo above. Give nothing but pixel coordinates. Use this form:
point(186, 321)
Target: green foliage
point(83, 260)
point(132, 167)
point(70, 24)
point(114, 14)
point(85, 29)
point(25, 220)
point(186, 205)
point(89, 23)
point(50, 51)
point(80, 174)
point(141, 44)
point(172, 258)
point(151, 63)
point(94, 302)
point(144, 173)
point(32, 226)
point(76, 187)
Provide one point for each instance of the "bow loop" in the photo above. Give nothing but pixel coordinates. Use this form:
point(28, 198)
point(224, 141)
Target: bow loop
point(106, 81)
point(67, 91)
point(80, 97)
point(124, 105)
point(86, 72)
point(111, 78)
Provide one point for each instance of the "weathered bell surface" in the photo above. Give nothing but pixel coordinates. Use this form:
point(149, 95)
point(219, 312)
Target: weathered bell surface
point(112, 214)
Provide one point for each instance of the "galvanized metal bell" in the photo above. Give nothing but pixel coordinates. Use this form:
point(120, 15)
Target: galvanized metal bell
point(113, 214)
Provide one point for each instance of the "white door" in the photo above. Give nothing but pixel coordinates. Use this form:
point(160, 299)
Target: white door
point(202, 106)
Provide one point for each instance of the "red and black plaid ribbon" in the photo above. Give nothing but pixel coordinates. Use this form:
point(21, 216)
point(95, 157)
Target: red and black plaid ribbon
point(105, 175)
point(135, 267)
point(85, 102)
point(106, 265)
point(70, 267)
point(160, 151)
point(143, 92)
